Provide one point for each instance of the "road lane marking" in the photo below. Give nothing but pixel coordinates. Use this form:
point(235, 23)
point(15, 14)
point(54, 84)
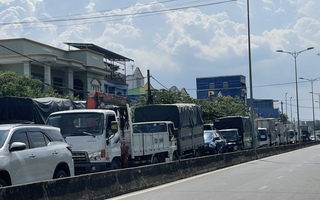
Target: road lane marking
point(279, 177)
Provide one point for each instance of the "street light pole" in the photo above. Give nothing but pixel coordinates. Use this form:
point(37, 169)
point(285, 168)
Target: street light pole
point(291, 108)
point(254, 142)
point(286, 104)
point(311, 81)
point(295, 55)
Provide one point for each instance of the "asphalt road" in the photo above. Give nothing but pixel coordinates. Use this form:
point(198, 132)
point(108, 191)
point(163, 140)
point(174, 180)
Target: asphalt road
point(290, 176)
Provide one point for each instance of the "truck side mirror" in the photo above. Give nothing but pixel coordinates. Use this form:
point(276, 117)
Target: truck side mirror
point(114, 127)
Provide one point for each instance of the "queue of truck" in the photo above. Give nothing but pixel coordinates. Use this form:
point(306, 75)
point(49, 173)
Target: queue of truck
point(105, 136)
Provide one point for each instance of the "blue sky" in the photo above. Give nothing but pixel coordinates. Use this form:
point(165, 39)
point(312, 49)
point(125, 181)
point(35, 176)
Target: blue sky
point(193, 38)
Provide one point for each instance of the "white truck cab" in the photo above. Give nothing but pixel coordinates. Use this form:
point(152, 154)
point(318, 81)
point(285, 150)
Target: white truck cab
point(94, 137)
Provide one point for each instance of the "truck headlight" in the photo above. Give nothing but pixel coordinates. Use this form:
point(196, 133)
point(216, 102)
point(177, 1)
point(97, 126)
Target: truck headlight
point(94, 156)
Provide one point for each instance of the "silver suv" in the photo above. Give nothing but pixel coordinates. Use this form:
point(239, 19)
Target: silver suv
point(30, 153)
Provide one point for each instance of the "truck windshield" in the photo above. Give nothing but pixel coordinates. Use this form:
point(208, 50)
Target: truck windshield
point(304, 134)
point(3, 136)
point(208, 136)
point(229, 135)
point(262, 135)
point(78, 124)
point(291, 134)
point(149, 128)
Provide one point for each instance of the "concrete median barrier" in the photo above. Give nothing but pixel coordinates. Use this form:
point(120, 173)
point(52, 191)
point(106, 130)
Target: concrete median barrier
point(113, 183)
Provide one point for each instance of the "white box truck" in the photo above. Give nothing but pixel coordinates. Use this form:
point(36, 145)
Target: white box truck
point(267, 135)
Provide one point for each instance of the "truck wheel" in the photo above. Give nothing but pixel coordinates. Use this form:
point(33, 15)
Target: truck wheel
point(115, 164)
point(3, 183)
point(155, 160)
point(175, 156)
point(60, 174)
point(196, 153)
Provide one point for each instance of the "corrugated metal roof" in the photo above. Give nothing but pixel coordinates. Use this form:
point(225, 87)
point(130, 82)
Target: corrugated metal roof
point(107, 54)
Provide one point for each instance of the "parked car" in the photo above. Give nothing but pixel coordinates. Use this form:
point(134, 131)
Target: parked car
point(214, 142)
point(30, 153)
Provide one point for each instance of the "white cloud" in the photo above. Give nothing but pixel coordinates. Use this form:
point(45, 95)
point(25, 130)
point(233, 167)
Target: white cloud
point(6, 2)
point(209, 36)
point(90, 7)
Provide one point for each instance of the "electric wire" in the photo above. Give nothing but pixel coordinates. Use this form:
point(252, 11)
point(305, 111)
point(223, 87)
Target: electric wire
point(136, 14)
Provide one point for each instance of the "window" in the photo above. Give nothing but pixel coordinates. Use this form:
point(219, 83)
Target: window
point(55, 135)
point(111, 90)
point(3, 136)
point(110, 118)
point(225, 84)
point(212, 85)
point(39, 139)
point(20, 136)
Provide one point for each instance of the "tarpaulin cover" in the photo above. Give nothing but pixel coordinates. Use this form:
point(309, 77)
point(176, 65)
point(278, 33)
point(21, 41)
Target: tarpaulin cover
point(17, 109)
point(239, 122)
point(181, 114)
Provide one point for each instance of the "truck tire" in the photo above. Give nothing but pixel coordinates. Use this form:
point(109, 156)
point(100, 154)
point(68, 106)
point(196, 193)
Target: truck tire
point(115, 164)
point(155, 159)
point(59, 174)
point(175, 156)
point(3, 183)
point(196, 153)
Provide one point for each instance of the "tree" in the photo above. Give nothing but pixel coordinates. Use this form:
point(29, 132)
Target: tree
point(283, 117)
point(222, 106)
point(12, 84)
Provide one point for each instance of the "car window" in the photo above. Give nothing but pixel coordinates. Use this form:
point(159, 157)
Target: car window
point(3, 136)
point(20, 136)
point(39, 139)
point(55, 135)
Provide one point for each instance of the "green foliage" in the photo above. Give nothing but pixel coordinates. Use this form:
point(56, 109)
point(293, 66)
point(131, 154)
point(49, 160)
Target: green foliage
point(222, 106)
point(283, 117)
point(19, 86)
point(214, 108)
point(15, 85)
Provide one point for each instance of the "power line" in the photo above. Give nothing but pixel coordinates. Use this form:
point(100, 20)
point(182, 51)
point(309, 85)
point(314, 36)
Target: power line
point(135, 14)
point(159, 83)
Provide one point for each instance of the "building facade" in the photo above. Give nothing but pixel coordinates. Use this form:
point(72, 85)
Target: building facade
point(87, 67)
point(264, 108)
point(233, 85)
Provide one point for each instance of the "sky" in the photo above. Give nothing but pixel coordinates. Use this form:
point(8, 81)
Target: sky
point(181, 40)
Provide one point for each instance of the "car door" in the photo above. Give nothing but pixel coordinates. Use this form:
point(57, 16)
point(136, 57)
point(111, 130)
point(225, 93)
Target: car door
point(23, 162)
point(46, 155)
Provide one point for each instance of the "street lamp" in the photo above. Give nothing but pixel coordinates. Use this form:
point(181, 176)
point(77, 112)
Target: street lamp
point(295, 55)
point(311, 81)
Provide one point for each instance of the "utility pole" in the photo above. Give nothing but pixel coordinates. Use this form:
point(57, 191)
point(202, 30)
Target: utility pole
point(149, 100)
